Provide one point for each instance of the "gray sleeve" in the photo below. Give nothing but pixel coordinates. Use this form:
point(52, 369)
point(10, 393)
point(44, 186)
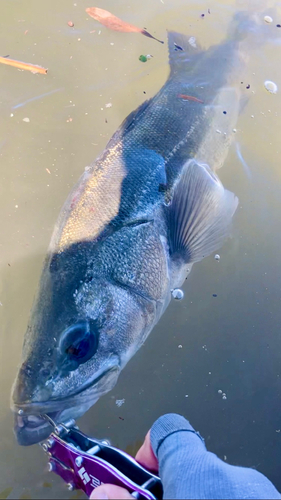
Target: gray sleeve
point(188, 470)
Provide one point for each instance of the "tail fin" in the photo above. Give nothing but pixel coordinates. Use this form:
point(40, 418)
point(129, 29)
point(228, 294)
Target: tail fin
point(249, 24)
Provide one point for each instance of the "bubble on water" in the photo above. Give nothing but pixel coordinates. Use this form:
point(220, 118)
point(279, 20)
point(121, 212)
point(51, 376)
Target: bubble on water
point(119, 402)
point(177, 294)
point(268, 19)
point(224, 397)
point(234, 130)
point(20, 412)
point(217, 257)
point(192, 41)
point(220, 391)
point(270, 86)
point(180, 346)
point(26, 120)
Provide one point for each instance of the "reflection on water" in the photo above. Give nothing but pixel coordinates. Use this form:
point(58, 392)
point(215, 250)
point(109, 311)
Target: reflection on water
point(228, 322)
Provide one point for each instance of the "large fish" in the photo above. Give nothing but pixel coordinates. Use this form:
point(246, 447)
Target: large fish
point(148, 208)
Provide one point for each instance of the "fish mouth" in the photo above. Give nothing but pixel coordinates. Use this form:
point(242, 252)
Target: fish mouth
point(32, 421)
point(31, 429)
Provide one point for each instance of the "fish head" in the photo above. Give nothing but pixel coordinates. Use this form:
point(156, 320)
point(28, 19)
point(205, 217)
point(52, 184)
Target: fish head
point(83, 330)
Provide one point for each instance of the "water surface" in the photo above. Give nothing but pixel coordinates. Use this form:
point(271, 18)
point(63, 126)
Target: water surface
point(225, 334)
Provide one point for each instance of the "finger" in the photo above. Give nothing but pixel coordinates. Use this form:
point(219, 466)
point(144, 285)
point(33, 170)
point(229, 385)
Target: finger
point(110, 491)
point(145, 455)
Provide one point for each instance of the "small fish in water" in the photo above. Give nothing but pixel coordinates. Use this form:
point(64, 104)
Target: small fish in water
point(189, 98)
point(141, 215)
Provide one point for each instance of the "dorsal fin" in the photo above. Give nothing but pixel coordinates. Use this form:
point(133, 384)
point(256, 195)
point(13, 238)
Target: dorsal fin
point(128, 123)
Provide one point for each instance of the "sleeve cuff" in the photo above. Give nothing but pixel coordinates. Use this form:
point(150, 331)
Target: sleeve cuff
point(167, 425)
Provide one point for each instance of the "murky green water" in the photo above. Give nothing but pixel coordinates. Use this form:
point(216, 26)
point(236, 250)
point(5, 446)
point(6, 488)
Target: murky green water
point(203, 344)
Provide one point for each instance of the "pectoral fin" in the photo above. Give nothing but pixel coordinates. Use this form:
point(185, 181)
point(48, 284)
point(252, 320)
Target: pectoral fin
point(200, 213)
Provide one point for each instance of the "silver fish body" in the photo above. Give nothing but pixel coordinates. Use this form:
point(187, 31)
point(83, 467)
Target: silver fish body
point(146, 210)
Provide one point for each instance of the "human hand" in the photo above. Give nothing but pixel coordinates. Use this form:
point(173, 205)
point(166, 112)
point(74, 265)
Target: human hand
point(145, 457)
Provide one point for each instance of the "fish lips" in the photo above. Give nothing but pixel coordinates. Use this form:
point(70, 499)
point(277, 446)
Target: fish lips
point(31, 423)
point(31, 429)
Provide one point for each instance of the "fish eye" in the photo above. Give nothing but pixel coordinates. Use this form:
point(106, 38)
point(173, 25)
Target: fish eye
point(79, 343)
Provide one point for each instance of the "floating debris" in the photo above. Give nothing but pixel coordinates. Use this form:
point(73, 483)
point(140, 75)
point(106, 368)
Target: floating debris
point(119, 402)
point(270, 86)
point(71, 24)
point(21, 65)
point(177, 294)
point(114, 23)
point(142, 58)
point(108, 105)
point(267, 19)
point(248, 86)
point(215, 295)
point(26, 120)
point(177, 47)
point(217, 257)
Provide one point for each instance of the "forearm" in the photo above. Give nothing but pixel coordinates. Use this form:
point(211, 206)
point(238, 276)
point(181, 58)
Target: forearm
point(188, 470)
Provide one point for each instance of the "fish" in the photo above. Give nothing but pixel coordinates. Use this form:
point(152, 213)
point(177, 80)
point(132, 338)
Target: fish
point(147, 209)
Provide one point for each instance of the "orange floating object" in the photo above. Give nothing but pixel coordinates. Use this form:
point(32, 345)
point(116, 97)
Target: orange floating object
point(22, 65)
point(190, 98)
point(114, 23)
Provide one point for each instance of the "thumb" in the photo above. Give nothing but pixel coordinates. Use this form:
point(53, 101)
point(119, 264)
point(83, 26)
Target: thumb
point(110, 491)
point(145, 456)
